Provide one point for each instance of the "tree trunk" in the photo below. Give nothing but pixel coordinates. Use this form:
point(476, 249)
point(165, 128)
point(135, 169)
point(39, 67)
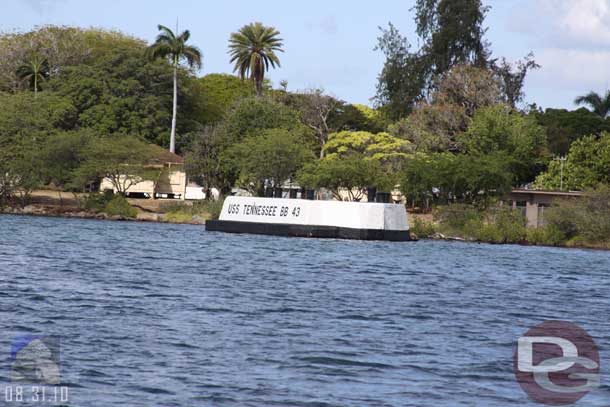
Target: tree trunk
point(321, 149)
point(259, 87)
point(172, 139)
point(35, 85)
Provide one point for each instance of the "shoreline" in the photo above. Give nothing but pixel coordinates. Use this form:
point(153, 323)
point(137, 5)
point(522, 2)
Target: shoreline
point(457, 239)
point(70, 213)
point(154, 217)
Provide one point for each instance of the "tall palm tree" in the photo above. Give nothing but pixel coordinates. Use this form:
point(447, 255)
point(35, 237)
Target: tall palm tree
point(599, 104)
point(34, 71)
point(253, 48)
point(174, 48)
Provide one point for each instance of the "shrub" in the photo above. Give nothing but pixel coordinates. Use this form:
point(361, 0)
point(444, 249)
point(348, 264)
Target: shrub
point(212, 207)
point(97, 201)
point(562, 216)
point(511, 224)
point(483, 232)
point(497, 225)
point(209, 209)
point(549, 235)
point(593, 215)
point(456, 216)
point(118, 205)
point(586, 219)
point(421, 228)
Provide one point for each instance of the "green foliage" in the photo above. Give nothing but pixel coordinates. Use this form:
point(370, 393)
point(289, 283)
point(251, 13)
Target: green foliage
point(402, 80)
point(252, 115)
point(510, 223)
point(120, 93)
point(204, 160)
point(585, 220)
point(253, 49)
point(172, 46)
point(62, 154)
point(549, 235)
point(274, 155)
point(60, 46)
point(561, 217)
point(434, 125)
point(498, 130)
point(454, 217)
point(34, 71)
point(494, 225)
point(317, 111)
point(587, 165)
point(598, 103)
point(563, 127)
point(118, 206)
point(446, 177)
point(24, 116)
point(21, 171)
point(421, 228)
point(356, 117)
point(451, 32)
point(389, 150)
point(208, 209)
point(122, 160)
point(512, 77)
point(351, 174)
point(219, 156)
point(219, 93)
point(578, 222)
point(97, 80)
point(97, 201)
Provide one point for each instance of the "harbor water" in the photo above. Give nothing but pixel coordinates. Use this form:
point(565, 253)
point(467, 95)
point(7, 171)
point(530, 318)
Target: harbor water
point(171, 315)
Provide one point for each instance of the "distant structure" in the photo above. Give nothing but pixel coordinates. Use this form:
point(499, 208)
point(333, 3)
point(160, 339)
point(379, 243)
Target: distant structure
point(171, 184)
point(533, 203)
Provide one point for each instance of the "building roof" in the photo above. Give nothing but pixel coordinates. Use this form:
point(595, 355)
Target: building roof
point(163, 156)
point(546, 192)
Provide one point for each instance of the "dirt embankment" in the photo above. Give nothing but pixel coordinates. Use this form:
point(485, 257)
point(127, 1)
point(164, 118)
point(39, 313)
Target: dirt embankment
point(68, 205)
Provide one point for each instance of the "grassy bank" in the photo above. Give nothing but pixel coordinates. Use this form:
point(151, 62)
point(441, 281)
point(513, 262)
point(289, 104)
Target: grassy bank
point(183, 213)
point(114, 207)
point(581, 223)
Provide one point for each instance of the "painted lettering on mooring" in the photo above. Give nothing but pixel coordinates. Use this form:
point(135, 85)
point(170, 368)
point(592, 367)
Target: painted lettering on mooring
point(263, 210)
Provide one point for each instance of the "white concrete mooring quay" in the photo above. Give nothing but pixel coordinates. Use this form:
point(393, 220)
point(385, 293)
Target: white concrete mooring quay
point(310, 218)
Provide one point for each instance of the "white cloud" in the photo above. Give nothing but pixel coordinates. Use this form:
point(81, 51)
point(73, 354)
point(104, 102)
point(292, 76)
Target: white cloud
point(327, 25)
point(579, 70)
point(42, 6)
point(570, 40)
point(566, 23)
point(585, 21)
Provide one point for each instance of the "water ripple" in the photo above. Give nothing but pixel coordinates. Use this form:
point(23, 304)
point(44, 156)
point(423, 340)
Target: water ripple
point(172, 315)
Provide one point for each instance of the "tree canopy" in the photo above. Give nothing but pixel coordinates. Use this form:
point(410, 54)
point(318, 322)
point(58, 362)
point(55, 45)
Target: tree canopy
point(587, 166)
point(253, 49)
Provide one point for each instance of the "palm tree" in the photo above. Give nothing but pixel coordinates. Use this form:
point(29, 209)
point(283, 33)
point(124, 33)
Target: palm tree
point(253, 49)
point(173, 48)
point(34, 71)
point(599, 104)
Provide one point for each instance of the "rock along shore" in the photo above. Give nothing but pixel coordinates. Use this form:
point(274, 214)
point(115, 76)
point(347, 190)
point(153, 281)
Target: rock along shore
point(40, 210)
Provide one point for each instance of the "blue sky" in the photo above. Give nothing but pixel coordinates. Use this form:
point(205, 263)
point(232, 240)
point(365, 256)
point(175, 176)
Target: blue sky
point(329, 43)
